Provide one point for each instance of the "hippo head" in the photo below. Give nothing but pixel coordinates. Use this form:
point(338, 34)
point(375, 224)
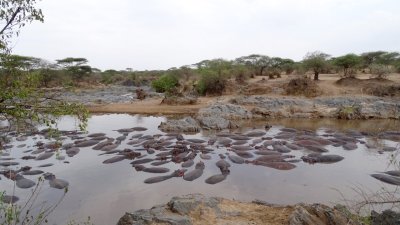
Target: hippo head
point(200, 165)
point(49, 176)
point(139, 167)
point(179, 173)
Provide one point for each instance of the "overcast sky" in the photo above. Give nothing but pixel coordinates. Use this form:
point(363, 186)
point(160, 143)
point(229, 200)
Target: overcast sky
point(160, 34)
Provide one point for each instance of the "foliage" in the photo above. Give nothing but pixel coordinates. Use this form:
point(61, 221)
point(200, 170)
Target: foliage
point(75, 67)
point(397, 66)
point(316, 61)
point(257, 63)
point(379, 70)
point(348, 63)
point(211, 83)
point(15, 14)
point(302, 86)
point(165, 83)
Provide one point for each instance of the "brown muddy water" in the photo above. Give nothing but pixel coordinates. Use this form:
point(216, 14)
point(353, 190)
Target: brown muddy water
point(106, 191)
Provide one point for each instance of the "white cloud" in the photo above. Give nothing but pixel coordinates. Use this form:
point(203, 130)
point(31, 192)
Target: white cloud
point(158, 34)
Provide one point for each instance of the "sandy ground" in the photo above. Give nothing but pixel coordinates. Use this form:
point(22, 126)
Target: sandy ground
point(257, 85)
point(151, 107)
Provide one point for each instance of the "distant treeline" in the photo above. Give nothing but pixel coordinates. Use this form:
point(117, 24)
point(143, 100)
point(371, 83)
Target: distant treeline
point(73, 71)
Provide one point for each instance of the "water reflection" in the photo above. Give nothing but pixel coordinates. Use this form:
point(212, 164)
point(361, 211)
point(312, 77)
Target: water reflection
point(106, 192)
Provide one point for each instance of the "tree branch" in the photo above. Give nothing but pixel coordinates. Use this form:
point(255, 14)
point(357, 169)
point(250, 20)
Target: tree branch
point(11, 20)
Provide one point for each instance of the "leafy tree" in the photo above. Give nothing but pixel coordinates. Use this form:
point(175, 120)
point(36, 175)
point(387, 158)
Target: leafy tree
point(316, 61)
point(371, 57)
point(258, 63)
point(165, 83)
point(348, 63)
point(388, 58)
point(21, 100)
point(75, 67)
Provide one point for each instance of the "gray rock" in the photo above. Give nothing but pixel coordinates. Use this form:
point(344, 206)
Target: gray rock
point(221, 116)
point(187, 124)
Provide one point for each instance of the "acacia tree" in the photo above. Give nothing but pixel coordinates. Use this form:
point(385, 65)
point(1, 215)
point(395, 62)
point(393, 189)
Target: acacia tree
point(76, 67)
point(348, 63)
point(258, 63)
point(316, 61)
point(21, 99)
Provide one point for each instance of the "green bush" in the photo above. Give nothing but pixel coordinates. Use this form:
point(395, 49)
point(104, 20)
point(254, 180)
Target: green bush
point(211, 84)
point(165, 83)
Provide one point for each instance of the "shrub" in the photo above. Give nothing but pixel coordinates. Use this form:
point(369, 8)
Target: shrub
point(379, 70)
point(165, 83)
point(211, 84)
point(302, 86)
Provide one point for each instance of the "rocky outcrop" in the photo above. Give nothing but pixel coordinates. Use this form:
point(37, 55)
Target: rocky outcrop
point(197, 209)
point(327, 107)
point(221, 116)
point(187, 124)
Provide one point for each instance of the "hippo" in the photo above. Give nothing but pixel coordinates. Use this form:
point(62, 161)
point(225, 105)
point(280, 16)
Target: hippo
point(244, 154)
point(350, 146)
point(44, 156)
point(9, 199)
point(223, 165)
point(54, 182)
point(292, 146)
point(151, 169)
point(216, 179)
point(394, 180)
point(236, 159)
point(176, 173)
point(205, 156)
point(389, 149)
point(32, 172)
point(255, 134)
point(289, 130)
point(23, 182)
point(272, 158)
point(159, 163)
point(114, 159)
point(96, 135)
point(9, 163)
point(87, 143)
point(196, 173)
point(242, 148)
point(188, 163)
point(266, 152)
point(109, 147)
point(100, 138)
point(276, 165)
point(102, 144)
point(139, 128)
point(315, 148)
point(121, 138)
point(319, 158)
point(141, 161)
point(46, 165)
point(72, 151)
point(197, 141)
point(239, 138)
point(281, 148)
point(241, 142)
point(395, 173)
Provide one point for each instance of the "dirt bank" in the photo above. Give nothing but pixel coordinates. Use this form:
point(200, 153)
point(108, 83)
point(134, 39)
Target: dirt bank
point(150, 107)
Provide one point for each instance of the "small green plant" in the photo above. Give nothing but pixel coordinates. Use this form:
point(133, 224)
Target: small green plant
point(26, 213)
point(165, 83)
